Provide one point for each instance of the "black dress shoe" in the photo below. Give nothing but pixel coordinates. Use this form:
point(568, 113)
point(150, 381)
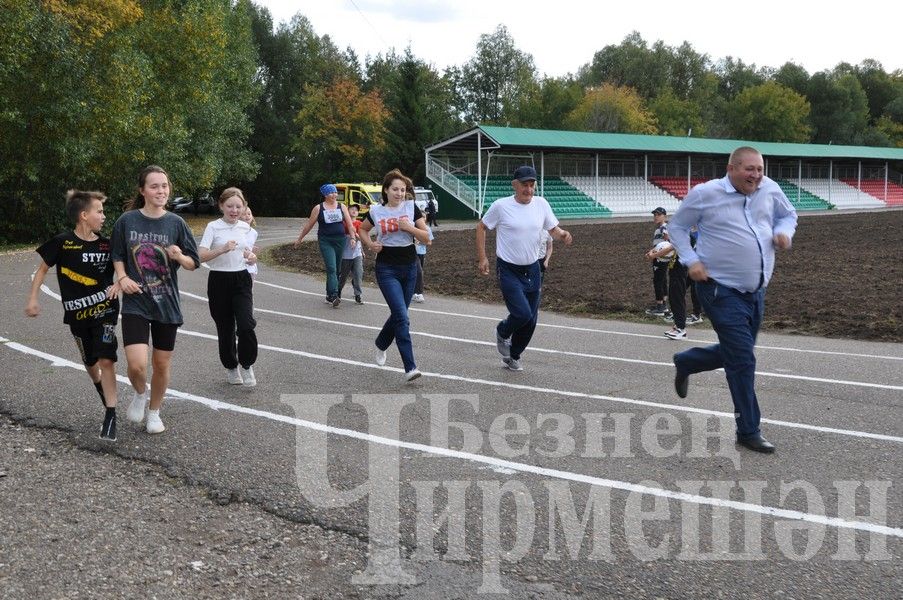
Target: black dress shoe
point(681, 382)
point(757, 444)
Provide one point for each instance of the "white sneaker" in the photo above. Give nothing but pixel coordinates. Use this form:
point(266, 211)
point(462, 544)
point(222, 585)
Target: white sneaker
point(412, 375)
point(512, 364)
point(154, 424)
point(380, 357)
point(676, 334)
point(418, 298)
point(135, 413)
point(247, 376)
point(233, 376)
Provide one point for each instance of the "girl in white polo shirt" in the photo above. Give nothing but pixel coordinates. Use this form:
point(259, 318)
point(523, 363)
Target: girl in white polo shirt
point(224, 248)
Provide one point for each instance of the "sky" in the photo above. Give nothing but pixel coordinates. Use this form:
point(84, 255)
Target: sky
point(563, 35)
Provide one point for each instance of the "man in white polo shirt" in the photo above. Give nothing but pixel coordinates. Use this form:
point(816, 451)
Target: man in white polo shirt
point(519, 220)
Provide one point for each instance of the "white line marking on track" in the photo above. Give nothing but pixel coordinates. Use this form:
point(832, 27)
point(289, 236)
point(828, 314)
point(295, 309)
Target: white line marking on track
point(595, 330)
point(500, 463)
point(866, 384)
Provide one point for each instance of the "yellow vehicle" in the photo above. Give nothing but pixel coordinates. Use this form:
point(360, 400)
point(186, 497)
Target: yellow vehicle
point(363, 194)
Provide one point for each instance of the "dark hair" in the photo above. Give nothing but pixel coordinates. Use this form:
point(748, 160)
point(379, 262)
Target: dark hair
point(138, 201)
point(78, 201)
point(389, 178)
point(232, 192)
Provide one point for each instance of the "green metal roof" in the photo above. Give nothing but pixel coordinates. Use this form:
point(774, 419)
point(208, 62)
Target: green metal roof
point(584, 141)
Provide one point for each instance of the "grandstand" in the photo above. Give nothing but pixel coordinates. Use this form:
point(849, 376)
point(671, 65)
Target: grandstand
point(801, 198)
point(624, 195)
point(592, 175)
point(566, 200)
point(678, 187)
point(889, 192)
point(839, 194)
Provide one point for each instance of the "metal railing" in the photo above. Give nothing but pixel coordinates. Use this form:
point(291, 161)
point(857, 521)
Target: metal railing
point(454, 186)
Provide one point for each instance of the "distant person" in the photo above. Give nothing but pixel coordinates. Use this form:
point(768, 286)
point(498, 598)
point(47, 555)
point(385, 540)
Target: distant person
point(421, 260)
point(659, 262)
point(353, 257)
point(333, 221)
point(148, 247)
point(224, 247)
point(742, 218)
point(545, 251)
point(431, 211)
point(90, 305)
point(519, 220)
point(695, 316)
point(398, 222)
point(251, 242)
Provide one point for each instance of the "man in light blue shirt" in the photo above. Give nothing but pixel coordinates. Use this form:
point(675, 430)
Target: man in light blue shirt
point(741, 218)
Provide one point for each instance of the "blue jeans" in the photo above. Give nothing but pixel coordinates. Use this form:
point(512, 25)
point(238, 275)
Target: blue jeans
point(396, 282)
point(331, 247)
point(736, 317)
point(521, 288)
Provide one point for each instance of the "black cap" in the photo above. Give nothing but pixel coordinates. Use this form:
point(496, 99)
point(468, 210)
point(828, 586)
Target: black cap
point(659, 211)
point(525, 173)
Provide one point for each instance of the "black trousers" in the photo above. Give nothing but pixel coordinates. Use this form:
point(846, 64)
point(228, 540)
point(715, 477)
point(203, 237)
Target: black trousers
point(232, 309)
point(660, 280)
point(677, 294)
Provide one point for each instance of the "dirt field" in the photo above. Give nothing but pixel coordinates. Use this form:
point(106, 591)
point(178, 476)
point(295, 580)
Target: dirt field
point(840, 279)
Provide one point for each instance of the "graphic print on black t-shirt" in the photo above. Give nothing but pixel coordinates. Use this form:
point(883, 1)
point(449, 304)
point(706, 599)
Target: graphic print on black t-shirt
point(153, 267)
point(84, 272)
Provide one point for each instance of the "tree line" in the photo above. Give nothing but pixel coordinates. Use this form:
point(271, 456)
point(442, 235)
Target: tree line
point(218, 94)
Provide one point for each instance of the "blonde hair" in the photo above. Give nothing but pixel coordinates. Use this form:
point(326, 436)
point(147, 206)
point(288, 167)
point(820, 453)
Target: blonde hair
point(232, 192)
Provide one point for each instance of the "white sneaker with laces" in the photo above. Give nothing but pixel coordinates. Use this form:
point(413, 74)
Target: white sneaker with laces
point(154, 424)
point(694, 319)
point(135, 413)
point(676, 334)
point(380, 357)
point(418, 298)
point(512, 364)
point(247, 376)
point(233, 376)
point(412, 375)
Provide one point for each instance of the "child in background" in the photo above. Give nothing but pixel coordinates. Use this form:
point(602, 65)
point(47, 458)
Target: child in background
point(353, 257)
point(90, 304)
point(251, 241)
point(421, 257)
point(545, 251)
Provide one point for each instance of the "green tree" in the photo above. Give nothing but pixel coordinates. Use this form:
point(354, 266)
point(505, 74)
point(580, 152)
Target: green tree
point(418, 103)
point(291, 57)
point(340, 133)
point(839, 108)
point(880, 88)
point(770, 112)
point(734, 76)
point(611, 109)
point(675, 116)
point(546, 103)
point(793, 76)
point(493, 80)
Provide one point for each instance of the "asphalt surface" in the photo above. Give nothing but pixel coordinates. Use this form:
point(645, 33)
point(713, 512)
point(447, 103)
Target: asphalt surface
point(334, 478)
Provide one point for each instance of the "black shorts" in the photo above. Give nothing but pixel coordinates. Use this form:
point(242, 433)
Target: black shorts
point(138, 330)
point(95, 341)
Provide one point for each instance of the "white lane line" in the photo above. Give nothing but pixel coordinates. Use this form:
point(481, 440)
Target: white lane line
point(565, 393)
point(500, 463)
point(866, 384)
point(694, 341)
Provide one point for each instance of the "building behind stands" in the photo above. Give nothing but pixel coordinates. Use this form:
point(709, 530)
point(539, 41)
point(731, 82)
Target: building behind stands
point(597, 175)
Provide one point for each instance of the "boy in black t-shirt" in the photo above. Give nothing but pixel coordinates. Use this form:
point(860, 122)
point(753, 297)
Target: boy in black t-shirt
point(90, 304)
